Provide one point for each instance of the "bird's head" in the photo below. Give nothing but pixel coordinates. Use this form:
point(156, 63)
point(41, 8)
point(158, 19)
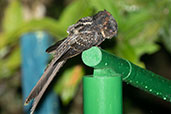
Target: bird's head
point(106, 23)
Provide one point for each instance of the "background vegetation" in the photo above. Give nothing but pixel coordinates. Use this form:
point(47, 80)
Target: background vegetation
point(144, 36)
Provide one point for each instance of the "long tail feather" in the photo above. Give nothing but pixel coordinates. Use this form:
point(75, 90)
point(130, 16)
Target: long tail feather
point(37, 98)
point(48, 71)
point(37, 88)
point(48, 75)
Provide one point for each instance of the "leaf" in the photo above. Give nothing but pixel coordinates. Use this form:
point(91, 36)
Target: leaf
point(73, 13)
point(109, 5)
point(146, 42)
point(67, 85)
point(165, 32)
point(57, 28)
point(47, 24)
point(10, 64)
point(166, 37)
point(13, 16)
point(134, 24)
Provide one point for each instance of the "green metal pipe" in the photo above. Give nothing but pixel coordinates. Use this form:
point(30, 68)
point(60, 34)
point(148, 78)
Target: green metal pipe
point(132, 74)
point(102, 94)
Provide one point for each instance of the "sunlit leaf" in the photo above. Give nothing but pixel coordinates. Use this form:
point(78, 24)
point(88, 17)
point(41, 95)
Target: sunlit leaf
point(46, 24)
point(67, 85)
point(13, 16)
point(73, 13)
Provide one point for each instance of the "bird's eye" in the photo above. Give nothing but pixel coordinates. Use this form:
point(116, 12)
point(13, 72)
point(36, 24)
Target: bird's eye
point(109, 27)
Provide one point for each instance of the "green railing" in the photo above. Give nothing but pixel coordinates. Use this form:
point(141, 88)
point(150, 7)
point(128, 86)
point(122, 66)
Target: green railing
point(102, 92)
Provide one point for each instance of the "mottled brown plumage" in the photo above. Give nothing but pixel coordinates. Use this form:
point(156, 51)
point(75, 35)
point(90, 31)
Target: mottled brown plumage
point(87, 32)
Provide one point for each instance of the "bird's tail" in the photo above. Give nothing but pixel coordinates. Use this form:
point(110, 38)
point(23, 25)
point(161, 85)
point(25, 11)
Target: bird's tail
point(41, 86)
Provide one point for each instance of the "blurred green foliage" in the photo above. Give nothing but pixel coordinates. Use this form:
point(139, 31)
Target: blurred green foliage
point(67, 85)
point(141, 24)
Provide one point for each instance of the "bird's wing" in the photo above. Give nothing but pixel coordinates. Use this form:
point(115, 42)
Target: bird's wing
point(52, 48)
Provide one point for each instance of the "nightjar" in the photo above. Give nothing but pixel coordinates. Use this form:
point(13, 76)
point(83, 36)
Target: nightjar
point(87, 32)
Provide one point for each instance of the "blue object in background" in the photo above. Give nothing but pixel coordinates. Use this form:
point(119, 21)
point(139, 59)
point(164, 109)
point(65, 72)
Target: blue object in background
point(34, 61)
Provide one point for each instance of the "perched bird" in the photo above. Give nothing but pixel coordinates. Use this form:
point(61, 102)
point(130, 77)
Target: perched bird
point(87, 32)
